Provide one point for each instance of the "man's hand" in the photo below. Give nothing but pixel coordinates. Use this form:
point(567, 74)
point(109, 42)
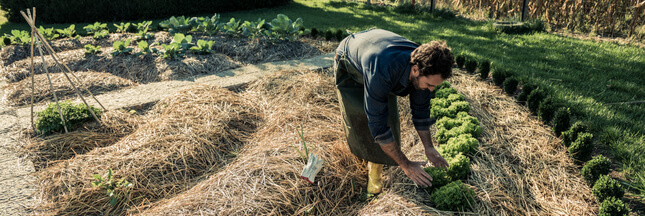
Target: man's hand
point(434, 157)
point(417, 174)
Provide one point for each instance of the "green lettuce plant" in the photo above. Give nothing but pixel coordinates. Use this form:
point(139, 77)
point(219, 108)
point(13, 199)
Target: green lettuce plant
point(285, 29)
point(464, 143)
point(123, 27)
point(69, 32)
point(253, 29)
point(210, 26)
point(48, 121)
point(455, 196)
point(172, 51)
point(121, 47)
point(453, 127)
point(443, 108)
point(439, 177)
point(48, 33)
point(97, 27)
point(203, 47)
point(444, 92)
point(145, 48)
point(91, 49)
point(19, 37)
point(458, 167)
point(232, 27)
point(180, 24)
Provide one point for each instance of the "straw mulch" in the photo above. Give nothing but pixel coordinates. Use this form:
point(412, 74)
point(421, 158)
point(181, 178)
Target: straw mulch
point(19, 93)
point(49, 150)
point(143, 69)
point(264, 178)
point(521, 167)
point(183, 139)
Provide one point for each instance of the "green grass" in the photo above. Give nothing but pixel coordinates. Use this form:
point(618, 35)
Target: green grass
point(586, 75)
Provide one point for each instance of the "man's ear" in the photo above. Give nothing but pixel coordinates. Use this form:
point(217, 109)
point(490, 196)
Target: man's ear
point(414, 70)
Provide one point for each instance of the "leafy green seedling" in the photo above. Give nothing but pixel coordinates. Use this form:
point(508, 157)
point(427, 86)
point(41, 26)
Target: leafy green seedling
point(97, 27)
point(203, 47)
point(253, 29)
point(210, 26)
point(91, 49)
point(109, 185)
point(286, 29)
point(180, 24)
point(121, 47)
point(232, 27)
point(304, 157)
point(145, 48)
point(68, 32)
point(101, 34)
point(49, 33)
point(123, 27)
point(19, 37)
point(172, 51)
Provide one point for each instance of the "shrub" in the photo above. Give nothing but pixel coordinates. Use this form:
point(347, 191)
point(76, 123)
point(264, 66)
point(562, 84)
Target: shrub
point(606, 187)
point(613, 206)
point(439, 176)
point(534, 99)
point(444, 92)
point(339, 35)
point(314, 32)
point(597, 166)
point(546, 109)
point(499, 75)
point(582, 147)
point(510, 85)
point(453, 197)
point(572, 134)
point(526, 91)
point(464, 143)
point(471, 66)
point(461, 60)
point(328, 35)
point(484, 69)
point(462, 124)
point(48, 120)
point(561, 121)
point(459, 167)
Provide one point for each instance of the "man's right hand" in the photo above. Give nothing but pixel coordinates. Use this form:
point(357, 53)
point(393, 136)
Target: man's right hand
point(415, 171)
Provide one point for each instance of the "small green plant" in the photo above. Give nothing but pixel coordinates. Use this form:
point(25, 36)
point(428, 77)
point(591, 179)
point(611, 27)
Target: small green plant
point(443, 85)
point(184, 41)
point(210, 26)
point(91, 49)
point(581, 149)
point(314, 32)
point(145, 48)
point(459, 167)
point(121, 47)
point(339, 35)
point(455, 196)
point(19, 37)
point(613, 206)
point(328, 35)
point(606, 187)
point(123, 27)
point(97, 27)
point(547, 109)
point(286, 29)
point(48, 120)
point(534, 99)
point(561, 121)
point(453, 127)
point(253, 29)
point(510, 85)
point(172, 51)
point(143, 26)
point(444, 92)
point(304, 156)
point(441, 107)
point(101, 34)
point(232, 27)
point(3, 41)
point(203, 47)
point(464, 143)
point(110, 185)
point(471, 66)
point(180, 24)
point(461, 60)
point(499, 75)
point(484, 69)
point(48, 33)
point(69, 32)
point(572, 134)
point(439, 176)
point(597, 166)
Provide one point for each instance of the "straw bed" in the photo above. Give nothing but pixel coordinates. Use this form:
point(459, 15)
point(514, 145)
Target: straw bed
point(184, 138)
point(19, 93)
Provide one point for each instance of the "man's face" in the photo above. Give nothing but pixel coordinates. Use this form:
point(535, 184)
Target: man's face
point(424, 82)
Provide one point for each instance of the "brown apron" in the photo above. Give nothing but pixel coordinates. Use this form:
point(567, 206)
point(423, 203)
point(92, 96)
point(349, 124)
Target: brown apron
point(350, 90)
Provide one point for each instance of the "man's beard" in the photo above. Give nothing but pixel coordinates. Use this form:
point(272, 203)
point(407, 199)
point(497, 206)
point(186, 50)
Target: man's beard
point(415, 82)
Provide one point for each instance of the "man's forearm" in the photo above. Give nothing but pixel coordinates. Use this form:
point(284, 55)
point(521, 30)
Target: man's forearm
point(392, 150)
point(426, 138)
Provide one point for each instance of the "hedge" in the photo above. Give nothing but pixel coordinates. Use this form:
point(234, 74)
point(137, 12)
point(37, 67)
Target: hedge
point(66, 11)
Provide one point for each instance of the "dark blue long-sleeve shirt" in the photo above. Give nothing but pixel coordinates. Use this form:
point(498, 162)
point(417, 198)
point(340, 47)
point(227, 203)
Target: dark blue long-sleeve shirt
point(383, 58)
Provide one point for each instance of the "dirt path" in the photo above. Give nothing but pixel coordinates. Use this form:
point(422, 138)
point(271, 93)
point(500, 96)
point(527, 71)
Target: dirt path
point(16, 183)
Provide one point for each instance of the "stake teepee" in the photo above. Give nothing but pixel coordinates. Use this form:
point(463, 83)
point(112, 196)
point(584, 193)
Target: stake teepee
point(40, 41)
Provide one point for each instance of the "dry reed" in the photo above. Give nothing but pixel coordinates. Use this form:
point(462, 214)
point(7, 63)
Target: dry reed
point(184, 138)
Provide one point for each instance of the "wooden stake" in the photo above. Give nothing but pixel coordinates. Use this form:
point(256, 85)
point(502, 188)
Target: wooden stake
point(53, 54)
point(32, 74)
point(51, 86)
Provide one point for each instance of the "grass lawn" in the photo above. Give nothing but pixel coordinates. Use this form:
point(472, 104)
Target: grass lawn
point(587, 76)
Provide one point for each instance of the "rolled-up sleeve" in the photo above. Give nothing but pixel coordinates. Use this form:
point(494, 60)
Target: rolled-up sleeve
point(420, 105)
point(376, 93)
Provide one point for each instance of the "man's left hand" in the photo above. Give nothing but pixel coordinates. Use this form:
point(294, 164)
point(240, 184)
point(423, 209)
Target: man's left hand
point(434, 157)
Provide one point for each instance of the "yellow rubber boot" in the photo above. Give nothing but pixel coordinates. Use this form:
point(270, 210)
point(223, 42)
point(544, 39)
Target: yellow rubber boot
point(375, 178)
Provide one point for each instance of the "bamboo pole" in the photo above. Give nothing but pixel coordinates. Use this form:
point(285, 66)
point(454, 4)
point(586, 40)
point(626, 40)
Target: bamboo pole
point(31, 67)
point(44, 41)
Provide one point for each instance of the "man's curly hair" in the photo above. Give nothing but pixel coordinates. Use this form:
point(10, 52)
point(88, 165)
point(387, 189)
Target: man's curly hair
point(432, 58)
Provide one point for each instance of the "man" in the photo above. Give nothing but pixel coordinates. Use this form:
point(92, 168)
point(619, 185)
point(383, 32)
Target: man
point(372, 68)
